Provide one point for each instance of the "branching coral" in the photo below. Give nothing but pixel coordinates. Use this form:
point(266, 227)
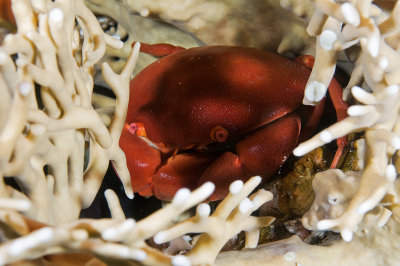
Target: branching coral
point(131, 27)
point(371, 245)
point(124, 239)
point(343, 27)
point(47, 117)
point(335, 190)
point(277, 29)
point(263, 24)
point(229, 219)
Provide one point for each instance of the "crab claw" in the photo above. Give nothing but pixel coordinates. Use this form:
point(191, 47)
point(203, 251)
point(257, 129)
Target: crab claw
point(143, 161)
point(182, 170)
point(261, 153)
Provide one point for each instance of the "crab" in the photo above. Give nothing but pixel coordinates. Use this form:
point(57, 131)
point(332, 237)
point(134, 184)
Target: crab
point(6, 13)
point(216, 113)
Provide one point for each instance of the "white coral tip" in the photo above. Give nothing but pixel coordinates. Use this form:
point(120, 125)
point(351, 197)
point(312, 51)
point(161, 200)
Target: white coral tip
point(3, 58)
point(362, 95)
point(207, 188)
point(391, 172)
point(22, 204)
point(129, 194)
point(236, 187)
point(315, 91)
point(326, 136)
point(245, 205)
point(180, 260)
point(114, 232)
point(56, 16)
point(38, 237)
point(136, 46)
point(181, 196)
point(357, 91)
point(160, 237)
point(366, 206)
point(347, 235)
point(257, 178)
point(383, 62)
point(357, 110)
point(203, 210)
point(373, 45)
point(144, 12)
point(25, 88)
point(38, 129)
point(326, 39)
point(396, 142)
point(139, 255)
point(392, 89)
point(15, 204)
point(351, 14)
point(299, 151)
point(325, 224)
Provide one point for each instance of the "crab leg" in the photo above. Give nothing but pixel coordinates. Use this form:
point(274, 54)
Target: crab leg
point(261, 153)
point(335, 92)
point(182, 170)
point(159, 49)
point(150, 175)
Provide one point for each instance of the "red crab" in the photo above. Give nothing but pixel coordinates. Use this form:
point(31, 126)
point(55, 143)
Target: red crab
point(6, 12)
point(216, 113)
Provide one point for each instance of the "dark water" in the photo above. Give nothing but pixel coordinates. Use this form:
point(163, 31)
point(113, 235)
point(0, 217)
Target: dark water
point(137, 208)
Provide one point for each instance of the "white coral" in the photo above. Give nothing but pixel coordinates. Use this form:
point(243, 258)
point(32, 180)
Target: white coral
point(374, 31)
point(50, 118)
point(124, 239)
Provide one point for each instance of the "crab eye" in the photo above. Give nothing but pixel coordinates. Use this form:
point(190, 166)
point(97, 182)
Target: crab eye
point(219, 134)
point(132, 128)
point(137, 129)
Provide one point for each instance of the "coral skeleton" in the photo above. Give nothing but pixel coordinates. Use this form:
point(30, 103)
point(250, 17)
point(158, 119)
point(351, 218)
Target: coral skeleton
point(374, 84)
point(277, 29)
point(124, 239)
point(47, 117)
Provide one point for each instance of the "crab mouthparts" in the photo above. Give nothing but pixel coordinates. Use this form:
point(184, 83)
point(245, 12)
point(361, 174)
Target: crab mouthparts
point(138, 129)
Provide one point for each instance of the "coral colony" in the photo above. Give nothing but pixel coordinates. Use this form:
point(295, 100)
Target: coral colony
point(48, 125)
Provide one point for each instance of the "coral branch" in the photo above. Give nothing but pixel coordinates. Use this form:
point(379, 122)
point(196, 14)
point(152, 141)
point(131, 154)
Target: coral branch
point(50, 119)
point(231, 217)
point(123, 239)
point(377, 110)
